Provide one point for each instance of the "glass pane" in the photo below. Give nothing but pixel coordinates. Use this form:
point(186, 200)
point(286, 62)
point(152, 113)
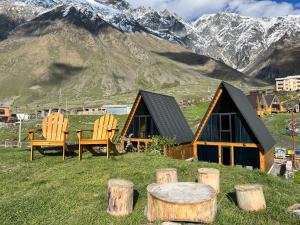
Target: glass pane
point(225, 122)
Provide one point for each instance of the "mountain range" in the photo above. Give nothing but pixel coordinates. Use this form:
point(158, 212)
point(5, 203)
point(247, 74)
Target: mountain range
point(109, 47)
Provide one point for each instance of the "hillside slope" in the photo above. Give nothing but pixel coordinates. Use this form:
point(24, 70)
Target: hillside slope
point(84, 56)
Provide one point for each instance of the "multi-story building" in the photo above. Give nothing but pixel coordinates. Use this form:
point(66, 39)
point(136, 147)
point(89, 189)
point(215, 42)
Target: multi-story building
point(290, 83)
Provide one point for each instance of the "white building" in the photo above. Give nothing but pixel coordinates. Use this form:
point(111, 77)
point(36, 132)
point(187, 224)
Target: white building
point(290, 83)
point(117, 109)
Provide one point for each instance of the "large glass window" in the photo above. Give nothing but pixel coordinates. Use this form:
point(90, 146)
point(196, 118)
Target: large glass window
point(142, 126)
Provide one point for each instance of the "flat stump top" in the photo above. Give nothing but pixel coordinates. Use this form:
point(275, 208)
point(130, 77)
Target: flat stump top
point(248, 187)
point(182, 192)
point(120, 183)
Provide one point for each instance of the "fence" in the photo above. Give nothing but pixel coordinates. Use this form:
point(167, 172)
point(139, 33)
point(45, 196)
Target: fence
point(14, 144)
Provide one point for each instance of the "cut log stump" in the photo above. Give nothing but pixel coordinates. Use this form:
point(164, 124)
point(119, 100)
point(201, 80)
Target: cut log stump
point(250, 197)
point(166, 175)
point(120, 197)
point(181, 201)
point(209, 176)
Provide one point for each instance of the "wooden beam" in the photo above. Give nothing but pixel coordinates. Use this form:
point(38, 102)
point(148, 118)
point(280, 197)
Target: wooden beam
point(262, 160)
point(208, 113)
point(131, 115)
point(220, 154)
point(232, 155)
point(195, 151)
point(248, 145)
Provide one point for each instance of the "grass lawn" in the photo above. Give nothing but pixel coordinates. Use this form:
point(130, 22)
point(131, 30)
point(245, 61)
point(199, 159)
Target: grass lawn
point(51, 191)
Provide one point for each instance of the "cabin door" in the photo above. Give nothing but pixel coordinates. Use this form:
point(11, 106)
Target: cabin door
point(226, 155)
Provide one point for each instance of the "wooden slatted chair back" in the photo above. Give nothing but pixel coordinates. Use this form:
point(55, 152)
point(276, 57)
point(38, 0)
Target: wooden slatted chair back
point(105, 127)
point(53, 127)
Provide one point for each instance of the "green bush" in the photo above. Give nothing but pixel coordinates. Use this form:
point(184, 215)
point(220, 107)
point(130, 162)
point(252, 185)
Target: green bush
point(158, 144)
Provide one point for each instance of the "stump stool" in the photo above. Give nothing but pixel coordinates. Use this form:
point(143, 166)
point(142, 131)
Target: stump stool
point(166, 175)
point(209, 176)
point(181, 201)
point(250, 197)
point(120, 197)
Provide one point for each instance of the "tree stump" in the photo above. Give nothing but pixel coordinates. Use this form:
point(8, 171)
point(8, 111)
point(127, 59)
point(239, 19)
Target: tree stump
point(182, 201)
point(250, 197)
point(210, 177)
point(166, 175)
point(120, 197)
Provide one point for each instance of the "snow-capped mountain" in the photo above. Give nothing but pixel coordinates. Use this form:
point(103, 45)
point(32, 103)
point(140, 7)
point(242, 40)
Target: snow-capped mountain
point(236, 40)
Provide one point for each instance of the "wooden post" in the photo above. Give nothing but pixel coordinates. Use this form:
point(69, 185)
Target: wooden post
point(231, 156)
point(220, 154)
point(195, 151)
point(182, 201)
point(250, 197)
point(120, 197)
point(211, 177)
point(166, 175)
point(261, 160)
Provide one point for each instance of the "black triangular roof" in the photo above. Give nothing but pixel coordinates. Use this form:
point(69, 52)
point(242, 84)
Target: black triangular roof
point(254, 122)
point(167, 116)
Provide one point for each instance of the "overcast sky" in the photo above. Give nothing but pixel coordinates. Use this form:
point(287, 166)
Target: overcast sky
point(191, 9)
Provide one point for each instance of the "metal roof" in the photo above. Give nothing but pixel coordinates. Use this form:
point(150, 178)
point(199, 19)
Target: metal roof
point(254, 122)
point(167, 116)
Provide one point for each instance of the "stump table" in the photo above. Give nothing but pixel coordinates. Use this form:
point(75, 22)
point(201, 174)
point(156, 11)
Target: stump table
point(120, 197)
point(181, 201)
point(210, 176)
point(166, 175)
point(250, 197)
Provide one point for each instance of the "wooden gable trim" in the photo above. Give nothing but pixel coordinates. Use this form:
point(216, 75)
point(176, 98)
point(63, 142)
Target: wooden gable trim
point(208, 113)
point(131, 115)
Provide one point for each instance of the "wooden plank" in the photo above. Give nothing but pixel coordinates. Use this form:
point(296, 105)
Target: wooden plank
point(248, 145)
point(65, 128)
point(208, 113)
point(102, 122)
point(92, 142)
point(96, 129)
point(113, 127)
point(109, 127)
point(60, 123)
point(49, 127)
point(220, 154)
point(54, 127)
point(131, 115)
point(107, 124)
point(232, 155)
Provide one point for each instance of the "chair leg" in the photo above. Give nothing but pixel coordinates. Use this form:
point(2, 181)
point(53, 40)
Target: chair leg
point(31, 153)
point(79, 152)
point(64, 151)
point(107, 150)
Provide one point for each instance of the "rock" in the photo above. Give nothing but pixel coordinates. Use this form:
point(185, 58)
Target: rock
point(294, 210)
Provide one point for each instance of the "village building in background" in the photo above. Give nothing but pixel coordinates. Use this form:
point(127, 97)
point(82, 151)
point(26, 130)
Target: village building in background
point(290, 83)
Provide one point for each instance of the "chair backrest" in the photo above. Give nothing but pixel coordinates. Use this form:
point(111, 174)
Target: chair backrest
point(105, 127)
point(53, 127)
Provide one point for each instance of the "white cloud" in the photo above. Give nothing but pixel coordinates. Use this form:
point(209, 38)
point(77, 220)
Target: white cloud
point(196, 8)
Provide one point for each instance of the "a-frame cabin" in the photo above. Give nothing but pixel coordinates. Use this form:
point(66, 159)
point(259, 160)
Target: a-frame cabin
point(231, 132)
point(155, 114)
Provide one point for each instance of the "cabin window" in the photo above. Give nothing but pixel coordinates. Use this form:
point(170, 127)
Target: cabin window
point(142, 126)
point(227, 127)
point(2, 112)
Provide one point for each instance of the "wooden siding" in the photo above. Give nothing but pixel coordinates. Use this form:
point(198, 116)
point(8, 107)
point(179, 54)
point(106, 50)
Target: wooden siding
point(184, 151)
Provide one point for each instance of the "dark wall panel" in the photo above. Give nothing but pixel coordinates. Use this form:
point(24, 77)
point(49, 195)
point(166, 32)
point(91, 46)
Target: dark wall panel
point(247, 157)
point(208, 153)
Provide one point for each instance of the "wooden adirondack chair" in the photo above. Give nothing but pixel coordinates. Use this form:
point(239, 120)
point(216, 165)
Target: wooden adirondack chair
point(102, 134)
point(54, 131)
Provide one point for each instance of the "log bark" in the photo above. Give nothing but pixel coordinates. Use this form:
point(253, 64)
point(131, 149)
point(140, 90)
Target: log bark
point(209, 176)
point(182, 201)
point(120, 197)
point(250, 197)
point(166, 175)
